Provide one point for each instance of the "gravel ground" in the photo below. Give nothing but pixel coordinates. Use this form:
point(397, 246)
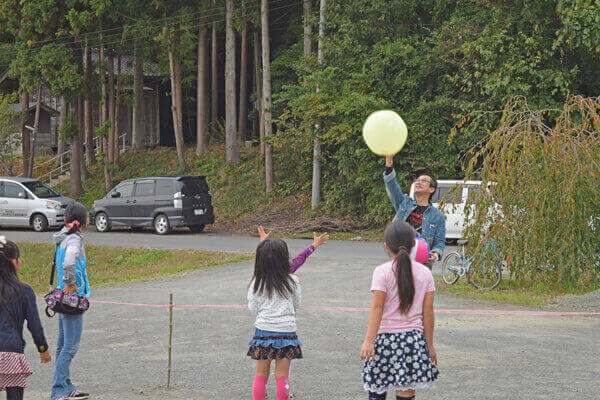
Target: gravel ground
point(123, 354)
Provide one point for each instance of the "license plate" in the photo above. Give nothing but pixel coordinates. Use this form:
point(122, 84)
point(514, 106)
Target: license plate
point(199, 212)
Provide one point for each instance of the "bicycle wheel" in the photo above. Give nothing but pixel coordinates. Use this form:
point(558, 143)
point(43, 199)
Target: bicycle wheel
point(485, 274)
point(452, 263)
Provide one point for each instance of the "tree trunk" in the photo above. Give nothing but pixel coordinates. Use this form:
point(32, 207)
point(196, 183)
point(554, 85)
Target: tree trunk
point(316, 178)
point(307, 10)
point(75, 179)
point(26, 134)
point(231, 142)
point(90, 148)
point(34, 134)
point(176, 95)
point(259, 94)
point(111, 106)
point(103, 116)
point(117, 110)
point(243, 111)
point(81, 133)
point(138, 97)
point(266, 61)
point(62, 145)
point(202, 106)
point(214, 97)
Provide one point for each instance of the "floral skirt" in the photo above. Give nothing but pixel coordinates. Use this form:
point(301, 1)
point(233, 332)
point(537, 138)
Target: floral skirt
point(267, 345)
point(401, 362)
point(14, 369)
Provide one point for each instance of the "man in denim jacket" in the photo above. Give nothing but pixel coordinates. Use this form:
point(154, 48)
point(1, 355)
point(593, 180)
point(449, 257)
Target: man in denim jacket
point(428, 221)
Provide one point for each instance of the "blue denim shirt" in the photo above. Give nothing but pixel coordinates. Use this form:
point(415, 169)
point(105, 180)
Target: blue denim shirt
point(434, 222)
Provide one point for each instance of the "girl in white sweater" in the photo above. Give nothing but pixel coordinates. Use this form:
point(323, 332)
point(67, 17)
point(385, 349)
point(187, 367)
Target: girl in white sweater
point(274, 294)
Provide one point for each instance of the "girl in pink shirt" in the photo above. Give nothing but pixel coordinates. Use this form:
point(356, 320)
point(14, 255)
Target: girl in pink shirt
point(398, 347)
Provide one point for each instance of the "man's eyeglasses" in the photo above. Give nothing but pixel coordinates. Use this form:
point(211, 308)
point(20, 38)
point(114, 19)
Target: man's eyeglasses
point(422, 181)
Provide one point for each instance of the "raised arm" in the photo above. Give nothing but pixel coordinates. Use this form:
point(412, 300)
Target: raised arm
point(392, 187)
point(317, 241)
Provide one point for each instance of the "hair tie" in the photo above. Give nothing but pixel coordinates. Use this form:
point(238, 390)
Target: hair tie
point(403, 248)
point(73, 224)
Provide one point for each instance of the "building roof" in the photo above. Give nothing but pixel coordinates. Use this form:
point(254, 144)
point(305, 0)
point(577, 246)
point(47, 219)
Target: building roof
point(16, 108)
point(150, 68)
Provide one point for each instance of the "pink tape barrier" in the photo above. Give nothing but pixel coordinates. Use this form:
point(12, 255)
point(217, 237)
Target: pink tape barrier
point(358, 309)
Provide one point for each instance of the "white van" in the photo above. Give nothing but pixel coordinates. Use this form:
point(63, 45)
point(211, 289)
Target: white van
point(26, 202)
point(454, 194)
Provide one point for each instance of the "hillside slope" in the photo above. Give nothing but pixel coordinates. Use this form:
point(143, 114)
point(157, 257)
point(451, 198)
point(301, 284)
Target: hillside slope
point(238, 191)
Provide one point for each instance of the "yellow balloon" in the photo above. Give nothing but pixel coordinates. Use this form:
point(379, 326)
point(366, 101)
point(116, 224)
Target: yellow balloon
point(385, 132)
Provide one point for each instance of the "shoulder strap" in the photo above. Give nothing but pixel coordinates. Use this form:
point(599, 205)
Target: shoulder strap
point(53, 268)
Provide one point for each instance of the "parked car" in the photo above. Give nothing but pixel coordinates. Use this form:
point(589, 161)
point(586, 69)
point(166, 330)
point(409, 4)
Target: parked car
point(27, 202)
point(454, 194)
point(161, 202)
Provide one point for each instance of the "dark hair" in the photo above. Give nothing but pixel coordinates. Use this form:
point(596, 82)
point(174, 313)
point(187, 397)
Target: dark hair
point(272, 269)
point(10, 285)
point(400, 239)
point(433, 183)
point(76, 212)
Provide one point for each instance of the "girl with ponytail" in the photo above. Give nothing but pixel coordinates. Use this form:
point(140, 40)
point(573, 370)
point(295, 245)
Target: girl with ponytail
point(398, 346)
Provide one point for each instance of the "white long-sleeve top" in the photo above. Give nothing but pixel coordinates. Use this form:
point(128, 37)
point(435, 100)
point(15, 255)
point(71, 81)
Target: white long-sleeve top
point(275, 313)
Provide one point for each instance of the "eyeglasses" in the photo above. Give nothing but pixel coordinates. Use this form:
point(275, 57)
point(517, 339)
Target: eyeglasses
point(422, 181)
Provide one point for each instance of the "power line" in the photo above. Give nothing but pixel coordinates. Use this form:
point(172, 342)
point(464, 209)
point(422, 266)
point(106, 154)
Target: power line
point(64, 51)
point(144, 25)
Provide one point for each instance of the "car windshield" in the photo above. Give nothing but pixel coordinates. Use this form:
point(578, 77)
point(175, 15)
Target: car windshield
point(193, 186)
point(41, 190)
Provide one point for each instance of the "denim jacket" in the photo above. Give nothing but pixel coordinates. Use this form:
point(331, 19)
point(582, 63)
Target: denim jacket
point(434, 222)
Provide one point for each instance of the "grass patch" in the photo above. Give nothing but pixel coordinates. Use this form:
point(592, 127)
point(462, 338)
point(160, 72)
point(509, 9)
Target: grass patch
point(108, 266)
point(368, 235)
point(530, 294)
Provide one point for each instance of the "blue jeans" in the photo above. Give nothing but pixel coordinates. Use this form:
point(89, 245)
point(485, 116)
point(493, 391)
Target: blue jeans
point(69, 336)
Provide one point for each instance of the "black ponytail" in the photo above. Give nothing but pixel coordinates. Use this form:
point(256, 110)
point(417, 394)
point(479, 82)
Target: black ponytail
point(400, 239)
point(10, 285)
point(76, 217)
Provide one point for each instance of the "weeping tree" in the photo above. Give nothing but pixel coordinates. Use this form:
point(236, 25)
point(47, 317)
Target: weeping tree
point(540, 200)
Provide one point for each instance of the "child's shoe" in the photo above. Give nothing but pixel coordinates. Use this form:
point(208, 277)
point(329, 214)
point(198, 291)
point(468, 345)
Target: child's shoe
point(77, 395)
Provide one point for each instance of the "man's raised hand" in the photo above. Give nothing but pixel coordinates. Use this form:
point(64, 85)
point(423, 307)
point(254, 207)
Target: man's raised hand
point(263, 235)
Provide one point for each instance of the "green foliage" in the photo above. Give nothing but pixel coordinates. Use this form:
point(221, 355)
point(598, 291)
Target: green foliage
point(9, 140)
point(542, 202)
point(69, 128)
point(433, 62)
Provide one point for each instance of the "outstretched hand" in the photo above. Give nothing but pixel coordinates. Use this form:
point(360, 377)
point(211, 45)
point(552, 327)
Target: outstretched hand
point(263, 235)
point(319, 240)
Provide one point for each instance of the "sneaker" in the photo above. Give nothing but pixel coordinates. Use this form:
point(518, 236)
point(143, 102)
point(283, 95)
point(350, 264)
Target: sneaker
point(77, 395)
point(62, 398)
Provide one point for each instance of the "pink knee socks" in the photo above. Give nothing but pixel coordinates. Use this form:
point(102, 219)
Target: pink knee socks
point(259, 388)
point(283, 388)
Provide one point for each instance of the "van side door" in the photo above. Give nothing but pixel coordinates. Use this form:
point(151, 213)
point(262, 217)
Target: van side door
point(119, 204)
point(143, 202)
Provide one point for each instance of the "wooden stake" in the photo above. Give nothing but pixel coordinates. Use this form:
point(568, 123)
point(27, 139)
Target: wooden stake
point(170, 338)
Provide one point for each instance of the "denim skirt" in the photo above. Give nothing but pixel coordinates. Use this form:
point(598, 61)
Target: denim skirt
point(267, 345)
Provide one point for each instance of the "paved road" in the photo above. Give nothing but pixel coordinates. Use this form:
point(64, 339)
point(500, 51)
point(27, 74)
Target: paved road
point(124, 351)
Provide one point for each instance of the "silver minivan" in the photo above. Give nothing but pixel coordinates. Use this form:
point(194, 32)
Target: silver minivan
point(27, 202)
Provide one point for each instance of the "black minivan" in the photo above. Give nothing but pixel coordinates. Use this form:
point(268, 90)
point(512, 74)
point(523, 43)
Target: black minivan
point(162, 202)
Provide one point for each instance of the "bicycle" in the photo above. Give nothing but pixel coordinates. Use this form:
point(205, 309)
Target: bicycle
point(456, 264)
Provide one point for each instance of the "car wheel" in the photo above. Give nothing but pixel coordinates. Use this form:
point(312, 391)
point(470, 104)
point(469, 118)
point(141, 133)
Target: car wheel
point(197, 228)
point(161, 224)
point(39, 223)
point(102, 222)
